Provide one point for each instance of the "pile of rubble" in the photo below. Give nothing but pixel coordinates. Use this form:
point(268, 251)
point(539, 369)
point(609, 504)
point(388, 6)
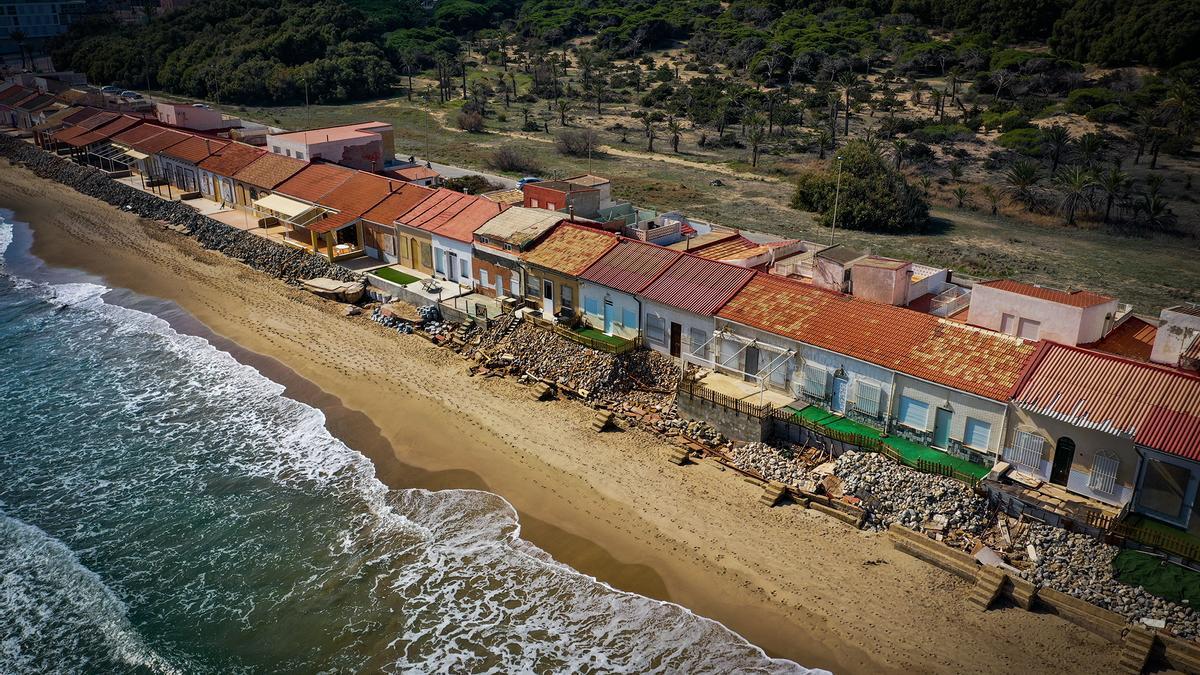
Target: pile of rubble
point(703, 432)
point(1081, 566)
point(279, 261)
point(637, 378)
point(783, 465)
point(893, 493)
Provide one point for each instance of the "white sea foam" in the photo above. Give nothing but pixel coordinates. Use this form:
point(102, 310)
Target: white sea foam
point(49, 598)
point(467, 581)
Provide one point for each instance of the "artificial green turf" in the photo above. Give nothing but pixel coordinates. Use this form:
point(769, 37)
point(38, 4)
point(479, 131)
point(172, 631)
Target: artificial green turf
point(1166, 580)
point(599, 336)
point(394, 276)
point(907, 449)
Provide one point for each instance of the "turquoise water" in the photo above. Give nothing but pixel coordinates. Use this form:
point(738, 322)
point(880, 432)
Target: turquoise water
point(164, 508)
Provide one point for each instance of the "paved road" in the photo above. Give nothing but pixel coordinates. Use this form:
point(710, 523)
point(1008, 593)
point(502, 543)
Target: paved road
point(449, 171)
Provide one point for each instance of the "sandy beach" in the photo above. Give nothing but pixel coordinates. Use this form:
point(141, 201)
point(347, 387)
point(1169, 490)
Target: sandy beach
point(794, 582)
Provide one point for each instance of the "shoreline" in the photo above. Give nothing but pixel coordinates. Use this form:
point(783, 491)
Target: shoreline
point(791, 582)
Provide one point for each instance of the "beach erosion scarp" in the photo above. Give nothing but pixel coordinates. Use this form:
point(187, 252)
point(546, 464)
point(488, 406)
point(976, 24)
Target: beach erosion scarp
point(788, 580)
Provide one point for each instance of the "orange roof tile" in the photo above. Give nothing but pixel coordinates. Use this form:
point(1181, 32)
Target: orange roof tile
point(269, 170)
point(315, 181)
point(1134, 338)
point(1072, 298)
point(961, 357)
point(230, 159)
point(724, 248)
point(570, 249)
point(194, 149)
point(358, 193)
point(403, 199)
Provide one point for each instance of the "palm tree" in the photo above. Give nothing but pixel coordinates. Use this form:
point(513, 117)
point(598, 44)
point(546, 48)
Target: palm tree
point(756, 134)
point(899, 147)
point(563, 106)
point(651, 130)
point(1113, 183)
point(824, 139)
point(1057, 138)
point(675, 129)
point(962, 195)
point(1075, 183)
point(848, 82)
point(956, 170)
point(1157, 210)
point(1021, 182)
point(992, 196)
point(1090, 147)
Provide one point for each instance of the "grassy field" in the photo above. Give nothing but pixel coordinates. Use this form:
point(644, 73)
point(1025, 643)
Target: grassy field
point(1151, 272)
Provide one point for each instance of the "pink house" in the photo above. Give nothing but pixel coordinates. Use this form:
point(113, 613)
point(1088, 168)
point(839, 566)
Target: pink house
point(366, 145)
point(1041, 313)
point(189, 117)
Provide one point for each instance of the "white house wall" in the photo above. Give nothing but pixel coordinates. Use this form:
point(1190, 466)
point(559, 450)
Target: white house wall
point(962, 406)
point(622, 303)
point(856, 372)
point(686, 320)
point(463, 250)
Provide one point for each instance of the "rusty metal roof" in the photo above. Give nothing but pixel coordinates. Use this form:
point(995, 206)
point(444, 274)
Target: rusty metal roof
point(1171, 431)
point(315, 181)
point(430, 214)
point(463, 225)
point(158, 142)
point(194, 148)
point(630, 266)
point(81, 115)
point(969, 359)
point(570, 249)
point(1071, 298)
point(1108, 393)
point(697, 285)
point(138, 134)
point(104, 131)
point(403, 199)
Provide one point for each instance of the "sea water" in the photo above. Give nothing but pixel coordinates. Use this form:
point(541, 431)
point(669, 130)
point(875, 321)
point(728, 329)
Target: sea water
point(164, 508)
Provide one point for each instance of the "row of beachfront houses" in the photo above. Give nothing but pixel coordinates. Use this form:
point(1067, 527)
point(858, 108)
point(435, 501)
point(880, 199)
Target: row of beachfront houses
point(1067, 392)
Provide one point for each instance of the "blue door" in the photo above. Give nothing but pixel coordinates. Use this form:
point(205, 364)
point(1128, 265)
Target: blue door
point(608, 317)
point(941, 428)
point(840, 385)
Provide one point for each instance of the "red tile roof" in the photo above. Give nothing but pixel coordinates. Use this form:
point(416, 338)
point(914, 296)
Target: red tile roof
point(630, 266)
point(1108, 393)
point(570, 249)
point(403, 199)
point(1072, 298)
point(194, 149)
point(358, 193)
point(315, 181)
point(269, 170)
point(1134, 338)
point(331, 222)
point(697, 285)
point(230, 159)
point(969, 359)
point(99, 120)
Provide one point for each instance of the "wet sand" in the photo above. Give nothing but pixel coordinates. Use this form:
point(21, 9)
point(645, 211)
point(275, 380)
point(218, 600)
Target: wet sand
point(796, 583)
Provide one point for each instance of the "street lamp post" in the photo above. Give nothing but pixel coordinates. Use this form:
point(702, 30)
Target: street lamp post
point(837, 193)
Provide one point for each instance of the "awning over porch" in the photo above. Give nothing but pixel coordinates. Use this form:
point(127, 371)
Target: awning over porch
point(289, 209)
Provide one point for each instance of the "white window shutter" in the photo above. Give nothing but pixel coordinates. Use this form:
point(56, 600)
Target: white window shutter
point(814, 381)
point(867, 398)
point(1104, 474)
point(1029, 449)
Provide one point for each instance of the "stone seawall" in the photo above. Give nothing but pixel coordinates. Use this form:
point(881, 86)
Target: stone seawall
point(288, 264)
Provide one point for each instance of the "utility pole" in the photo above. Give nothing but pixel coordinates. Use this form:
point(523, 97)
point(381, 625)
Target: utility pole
point(837, 193)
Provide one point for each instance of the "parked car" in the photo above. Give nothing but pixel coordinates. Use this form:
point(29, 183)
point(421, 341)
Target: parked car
point(131, 95)
point(111, 89)
point(527, 180)
point(201, 105)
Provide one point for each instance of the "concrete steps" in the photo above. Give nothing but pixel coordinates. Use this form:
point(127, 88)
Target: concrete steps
point(1135, 651)
point(772, 493)
point(602, 421)
point(989, 584)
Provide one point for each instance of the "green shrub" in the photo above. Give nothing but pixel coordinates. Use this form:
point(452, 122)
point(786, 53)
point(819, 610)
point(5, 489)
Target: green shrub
point(942, 133)
point(873, 196)
point(1082, 100)
point(1026, 141)
point(1107, 113)
point(1005, 121)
